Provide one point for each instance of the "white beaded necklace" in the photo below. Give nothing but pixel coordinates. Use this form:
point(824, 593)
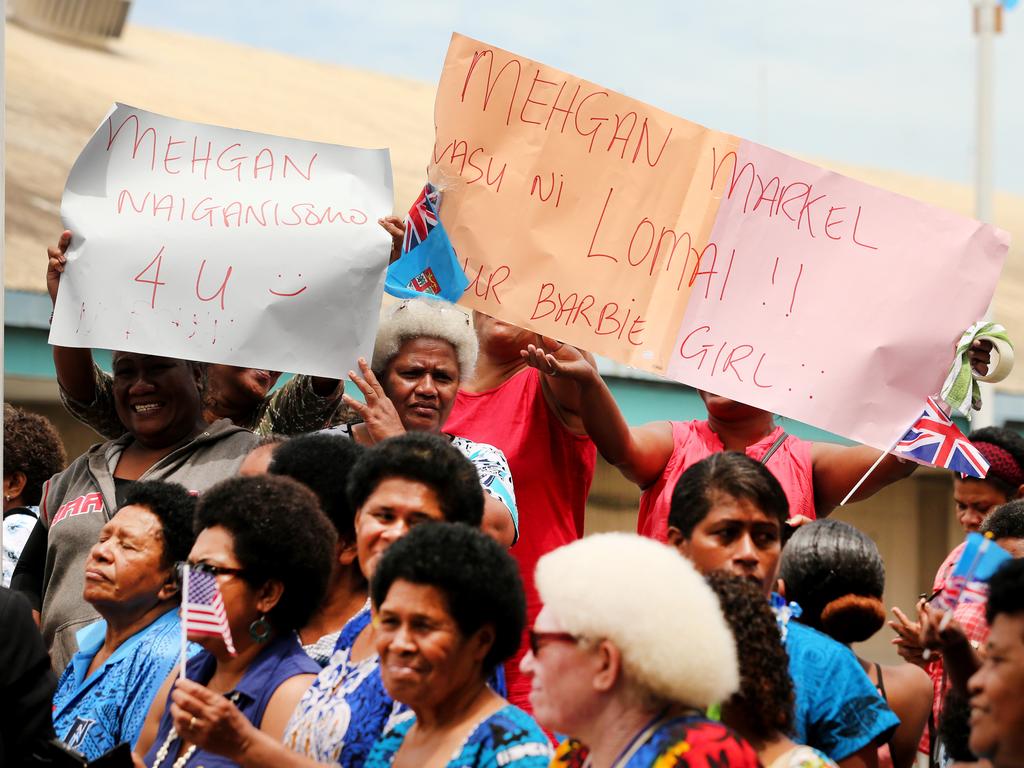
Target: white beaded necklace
point(172, 735)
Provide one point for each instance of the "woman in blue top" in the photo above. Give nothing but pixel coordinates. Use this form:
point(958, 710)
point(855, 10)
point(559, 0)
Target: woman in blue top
point(443, 623)
point(270, 548)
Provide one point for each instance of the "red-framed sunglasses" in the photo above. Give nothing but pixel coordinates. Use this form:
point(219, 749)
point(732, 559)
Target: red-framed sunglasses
point(539, 639)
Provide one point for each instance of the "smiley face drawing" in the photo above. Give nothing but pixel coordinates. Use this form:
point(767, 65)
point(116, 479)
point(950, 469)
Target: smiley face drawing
point(286, 294)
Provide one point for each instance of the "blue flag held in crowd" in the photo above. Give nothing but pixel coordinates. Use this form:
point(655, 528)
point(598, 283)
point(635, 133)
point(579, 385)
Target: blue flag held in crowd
point(968, 583)
point(428, 265)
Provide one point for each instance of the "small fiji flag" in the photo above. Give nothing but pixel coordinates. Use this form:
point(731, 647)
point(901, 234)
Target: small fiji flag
point(428, 265)
point(968, 582)
point(936, 441)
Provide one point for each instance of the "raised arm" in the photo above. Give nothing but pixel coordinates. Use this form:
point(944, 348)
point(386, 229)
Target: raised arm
point(639, 453)
point(837, 468)
point(74, 364)
point(303, 404)
point(943, 633)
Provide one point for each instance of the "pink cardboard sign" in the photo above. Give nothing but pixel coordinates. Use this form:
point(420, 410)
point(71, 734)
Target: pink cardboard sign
point(594, 218)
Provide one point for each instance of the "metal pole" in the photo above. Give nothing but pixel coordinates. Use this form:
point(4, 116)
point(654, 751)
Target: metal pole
point(985, 12)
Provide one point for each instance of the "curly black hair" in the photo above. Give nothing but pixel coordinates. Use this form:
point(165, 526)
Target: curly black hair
point(33, 447)
point(954, 726)
point(1006, 590)
point(323, 463)
point(1009, 441)
point(479, 580)
point(279, 533)
point(730, 473)
point(836, 574)
point(1005, 521)
point(175, 507)
point(424, 458)
point(766, 695)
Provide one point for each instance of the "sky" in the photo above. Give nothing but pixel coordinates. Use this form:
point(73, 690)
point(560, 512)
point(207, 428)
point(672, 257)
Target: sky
point(880, 83)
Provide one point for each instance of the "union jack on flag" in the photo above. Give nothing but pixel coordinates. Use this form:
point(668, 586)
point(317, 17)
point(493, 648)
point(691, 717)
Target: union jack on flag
point(422, 217)
point(202, 608)
point(935, 440)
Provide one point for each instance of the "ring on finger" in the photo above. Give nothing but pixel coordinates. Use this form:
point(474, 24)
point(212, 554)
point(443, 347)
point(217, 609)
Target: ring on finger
point(192, 723)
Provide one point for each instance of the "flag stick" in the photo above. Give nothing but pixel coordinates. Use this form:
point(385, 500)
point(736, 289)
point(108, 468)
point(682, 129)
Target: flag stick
point(871, 469)
point(184, 618)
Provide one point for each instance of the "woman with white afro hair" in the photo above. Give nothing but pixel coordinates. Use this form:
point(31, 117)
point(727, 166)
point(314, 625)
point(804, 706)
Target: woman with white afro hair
point(629, 649)
point(425, 348)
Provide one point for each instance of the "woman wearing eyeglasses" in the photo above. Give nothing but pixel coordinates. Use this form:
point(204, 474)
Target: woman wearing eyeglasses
point(442, 625)
point(270, 548)
point(628, 651)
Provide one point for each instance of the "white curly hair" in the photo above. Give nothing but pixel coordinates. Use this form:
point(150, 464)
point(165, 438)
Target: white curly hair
point(426, 318)
point(648, 600)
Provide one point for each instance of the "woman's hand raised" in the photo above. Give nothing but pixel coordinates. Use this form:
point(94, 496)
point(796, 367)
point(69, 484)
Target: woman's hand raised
point(378, 412)
point(556, 358)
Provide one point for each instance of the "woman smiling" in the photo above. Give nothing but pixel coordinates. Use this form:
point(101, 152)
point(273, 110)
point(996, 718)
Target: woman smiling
point(443, 624)
point(159, 400)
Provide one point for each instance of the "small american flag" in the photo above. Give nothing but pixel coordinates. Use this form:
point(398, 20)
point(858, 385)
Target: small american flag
point(422, 217)
point(935, 440)
point(202, 608)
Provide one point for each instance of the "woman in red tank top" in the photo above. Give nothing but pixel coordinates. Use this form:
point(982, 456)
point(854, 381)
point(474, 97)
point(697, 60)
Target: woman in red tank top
point(815, 476)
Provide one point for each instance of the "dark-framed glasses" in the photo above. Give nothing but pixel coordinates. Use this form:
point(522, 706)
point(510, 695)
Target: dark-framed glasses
point(539, 639)
point(213, 570)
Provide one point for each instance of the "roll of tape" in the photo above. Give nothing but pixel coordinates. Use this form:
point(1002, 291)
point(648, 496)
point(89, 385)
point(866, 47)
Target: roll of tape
point(1004, 361)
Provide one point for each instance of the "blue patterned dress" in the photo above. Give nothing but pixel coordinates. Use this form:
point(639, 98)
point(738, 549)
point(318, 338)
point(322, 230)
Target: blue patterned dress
point(346, 709)
point(94, 713)
point(509, 737)
point(837, 709)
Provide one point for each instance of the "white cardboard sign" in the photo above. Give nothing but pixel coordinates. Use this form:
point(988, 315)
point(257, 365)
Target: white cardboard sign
point(221, 245)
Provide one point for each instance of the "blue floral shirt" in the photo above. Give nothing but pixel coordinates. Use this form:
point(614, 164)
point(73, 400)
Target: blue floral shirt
point(509, 737)
point(495, 475)
point(96, 713)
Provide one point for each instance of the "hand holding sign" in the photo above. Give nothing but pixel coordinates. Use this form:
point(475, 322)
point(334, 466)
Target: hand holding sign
point(585, 215)
point(221, 245)
point(57, 260)
point(555, 358)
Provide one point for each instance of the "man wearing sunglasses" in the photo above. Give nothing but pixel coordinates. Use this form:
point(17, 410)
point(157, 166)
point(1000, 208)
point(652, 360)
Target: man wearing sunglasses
point(105, 692)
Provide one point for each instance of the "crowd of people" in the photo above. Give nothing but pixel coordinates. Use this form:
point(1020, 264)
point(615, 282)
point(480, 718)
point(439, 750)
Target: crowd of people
point(402, 578)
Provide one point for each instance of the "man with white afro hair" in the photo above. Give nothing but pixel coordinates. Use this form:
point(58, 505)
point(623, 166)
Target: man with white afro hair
point(629, 648)
point(425, 348)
